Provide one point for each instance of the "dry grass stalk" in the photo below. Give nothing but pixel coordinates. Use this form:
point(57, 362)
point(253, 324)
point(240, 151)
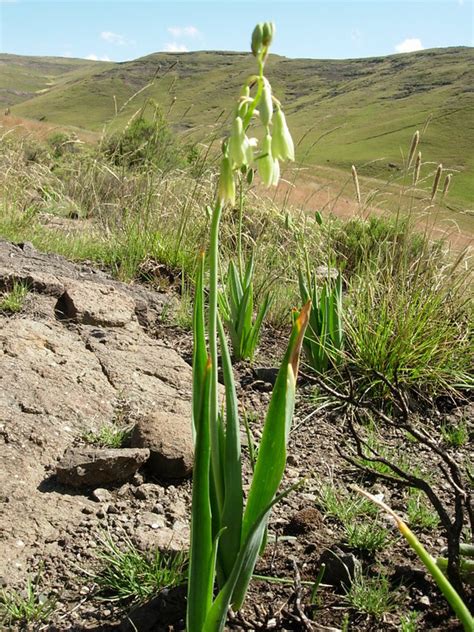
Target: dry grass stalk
point(447, 182)
point(416, 172)
point(414, 144)
point(355, 177)
point(437, 178)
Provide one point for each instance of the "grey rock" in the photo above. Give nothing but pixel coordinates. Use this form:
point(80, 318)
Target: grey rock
point(266, 374)
point(163, 539)
point(96, 304)
point(101, 495)
point(83, 467)
point(62, 378)
point(340, 566)
point(152, 520)
point(148, 491)
point(169, 439)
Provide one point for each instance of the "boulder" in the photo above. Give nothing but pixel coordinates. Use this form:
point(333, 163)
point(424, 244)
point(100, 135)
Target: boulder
point(169, 438)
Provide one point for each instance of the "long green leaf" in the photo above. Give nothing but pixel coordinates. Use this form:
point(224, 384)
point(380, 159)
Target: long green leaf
point(253, 337)
point(231, 519)
point(244, 564)
point(271, 459)
point(201, 559)
point(199, 342)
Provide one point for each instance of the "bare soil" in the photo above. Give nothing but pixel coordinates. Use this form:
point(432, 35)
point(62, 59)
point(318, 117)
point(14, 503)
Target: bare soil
point(58, 531)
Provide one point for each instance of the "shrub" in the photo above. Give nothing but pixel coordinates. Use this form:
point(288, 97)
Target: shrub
point(146, 143)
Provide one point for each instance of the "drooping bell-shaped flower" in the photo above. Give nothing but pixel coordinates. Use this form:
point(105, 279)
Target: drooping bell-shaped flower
point(266, 162)
point(265, 106)
point(282, 143)
point(240, 151)
point(226, 187)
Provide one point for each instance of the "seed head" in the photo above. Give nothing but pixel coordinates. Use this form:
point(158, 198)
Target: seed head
point(414, 144)
point(355, 178)
point(416, 172)
point(437, 178)
point(447, 182)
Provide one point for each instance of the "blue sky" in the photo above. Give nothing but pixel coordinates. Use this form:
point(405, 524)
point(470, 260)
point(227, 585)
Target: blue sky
point(122, 30)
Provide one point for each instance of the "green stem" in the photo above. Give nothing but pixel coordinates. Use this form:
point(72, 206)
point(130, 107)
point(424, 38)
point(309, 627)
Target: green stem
point(214, 399)
point(239, 235)
point(256, 101)
point(453, 598)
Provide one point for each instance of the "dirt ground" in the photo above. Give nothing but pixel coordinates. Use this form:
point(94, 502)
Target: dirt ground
point(58, 532)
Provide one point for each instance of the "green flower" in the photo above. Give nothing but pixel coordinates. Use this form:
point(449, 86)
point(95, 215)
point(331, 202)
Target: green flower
point(265, 106)
point(268, 167)
point(226, 187)
point(240, 151)
point(282, 143)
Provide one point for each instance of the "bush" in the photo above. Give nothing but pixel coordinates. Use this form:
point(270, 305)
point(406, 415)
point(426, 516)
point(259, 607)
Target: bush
point(62, 143)
point(146, 143)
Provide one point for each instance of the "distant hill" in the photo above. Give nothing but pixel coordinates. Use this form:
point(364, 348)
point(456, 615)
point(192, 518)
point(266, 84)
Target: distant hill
point(342, 111)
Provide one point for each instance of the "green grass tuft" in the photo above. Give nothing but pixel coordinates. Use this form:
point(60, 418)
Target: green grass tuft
point(129, 575)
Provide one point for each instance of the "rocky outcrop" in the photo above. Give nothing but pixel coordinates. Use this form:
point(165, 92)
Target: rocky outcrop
point(80, 347)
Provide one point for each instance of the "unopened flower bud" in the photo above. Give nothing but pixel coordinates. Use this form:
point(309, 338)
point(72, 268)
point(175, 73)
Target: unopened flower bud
point(266, 103)
point(268, 31)
point(282, 143)
point(226, 188)
point(257, 37)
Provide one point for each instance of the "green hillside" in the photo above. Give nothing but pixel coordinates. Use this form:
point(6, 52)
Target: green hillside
point(346, 111)
point(22, 78)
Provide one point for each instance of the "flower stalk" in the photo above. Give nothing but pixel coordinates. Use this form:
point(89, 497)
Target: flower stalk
point(226, 539)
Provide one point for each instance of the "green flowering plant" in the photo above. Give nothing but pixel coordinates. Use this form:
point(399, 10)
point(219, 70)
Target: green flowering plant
point(239, 150)
point(227, 535)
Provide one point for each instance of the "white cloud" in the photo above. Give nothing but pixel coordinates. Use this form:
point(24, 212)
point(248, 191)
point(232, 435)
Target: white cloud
point(184, 31)
point(409, 45)
point(356, 36)
point(94, 57)
point(174, 47)
point(113, 38)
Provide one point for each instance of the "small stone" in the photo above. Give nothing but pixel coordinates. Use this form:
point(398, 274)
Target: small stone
point(158, 509)
point(147, 491)
point(425, 601)
point(152, 520)
point(101, 495)
point(112, 509)
point(169, 438)
point(340, 566)
point(87, 510)
point(178, 509)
